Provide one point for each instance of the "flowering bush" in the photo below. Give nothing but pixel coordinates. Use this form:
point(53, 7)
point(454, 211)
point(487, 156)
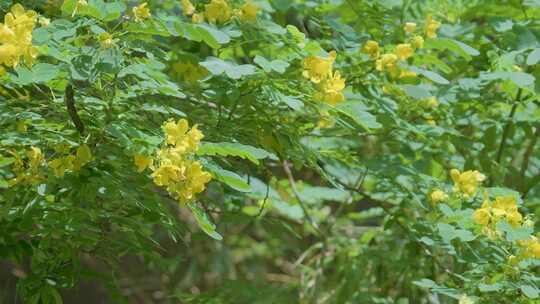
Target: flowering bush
point(269, 151)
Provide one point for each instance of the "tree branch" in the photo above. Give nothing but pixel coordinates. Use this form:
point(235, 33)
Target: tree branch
point(72, 111)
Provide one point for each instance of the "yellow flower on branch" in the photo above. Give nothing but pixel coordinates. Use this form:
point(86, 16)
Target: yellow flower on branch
point(371, 48)
point(16, 37)
point(218, 11)
point(318, 68)
point(332, 89)
point(409, 27)
point(404, 51)
point(248, 12)
point(141, 12)
point(438, 196)
point(142, 162)
point(187, 8)
point(418, 42)
point(431, 27)
point(467, 182)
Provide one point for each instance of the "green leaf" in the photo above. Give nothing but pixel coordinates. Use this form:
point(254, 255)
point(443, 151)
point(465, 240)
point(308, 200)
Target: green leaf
point(217, 66)
point(455, 46)
point(39, 73)
point(204, 223)
point(358, 113)
point(533, 57)
point(529, 291)
point(229, 178)
point(275, 65)
point(234, 149)
point(521, 79)
point(430, 75)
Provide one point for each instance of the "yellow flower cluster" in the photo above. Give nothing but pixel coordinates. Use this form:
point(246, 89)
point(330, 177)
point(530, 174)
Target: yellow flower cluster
point(26, 173)
point(219, 11)
point(319, 70)
point(403, 51)
point(182, 176)
point(504, 207)
point(70, 162)
point(437, 196)
point(466, 182)
point(431, 27)
point(16, 37)
point(530, 248)
point(141, 12)
point(105, 40)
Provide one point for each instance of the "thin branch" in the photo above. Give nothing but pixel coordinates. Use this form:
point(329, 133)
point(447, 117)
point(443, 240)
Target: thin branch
point(72, 111)
point(508, 125)
point(527, 155)
point(288, 172)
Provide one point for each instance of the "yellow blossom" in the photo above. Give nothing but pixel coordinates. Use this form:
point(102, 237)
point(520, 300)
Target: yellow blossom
point(431, 27)
point(141, 12)
point(409, 27)
point(482, 216)
point(105, 40)
point(387, 62)
point(35, 157)
point(142, 162)
point(404, 51)
point(197, 18)
point(318, 68)
point(431, 102)
point(438, 196)
point(218, 11)
point(187, 8)
point(332, 89)
point(467, 182)
point(16, 37)
point(248, 12)
point(530, 248)
point(418, 42)
point(182, 176)
point(371, 48)
point(188, 71)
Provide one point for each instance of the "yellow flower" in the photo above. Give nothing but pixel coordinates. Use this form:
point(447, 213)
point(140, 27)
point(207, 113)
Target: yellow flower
point(16, 37)
point(332, 89)
point(105, 40)
point(418, 42)
point(141, 12)
point(197, 18)
point(431, 122)
point(187, 8)
point(482, 216)
point(142, 162)
point(248, 12)
point(409, 27)
point(530, 248)
point(21, 126)
point(175, 170)
point(438, 196)
point(168, 174)
point(467, 182)
point(318, 68)
point(431, 102)
point(387, 62)
point(404, 51)
point(431, 27)
point(371, 48)
point(218, 11)
point(82, 157)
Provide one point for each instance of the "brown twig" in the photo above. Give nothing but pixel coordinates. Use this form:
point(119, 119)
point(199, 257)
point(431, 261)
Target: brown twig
point(72, 111)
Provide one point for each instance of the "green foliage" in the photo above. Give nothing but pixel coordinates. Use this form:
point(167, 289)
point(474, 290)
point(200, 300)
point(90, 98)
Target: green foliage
point(320, 192)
